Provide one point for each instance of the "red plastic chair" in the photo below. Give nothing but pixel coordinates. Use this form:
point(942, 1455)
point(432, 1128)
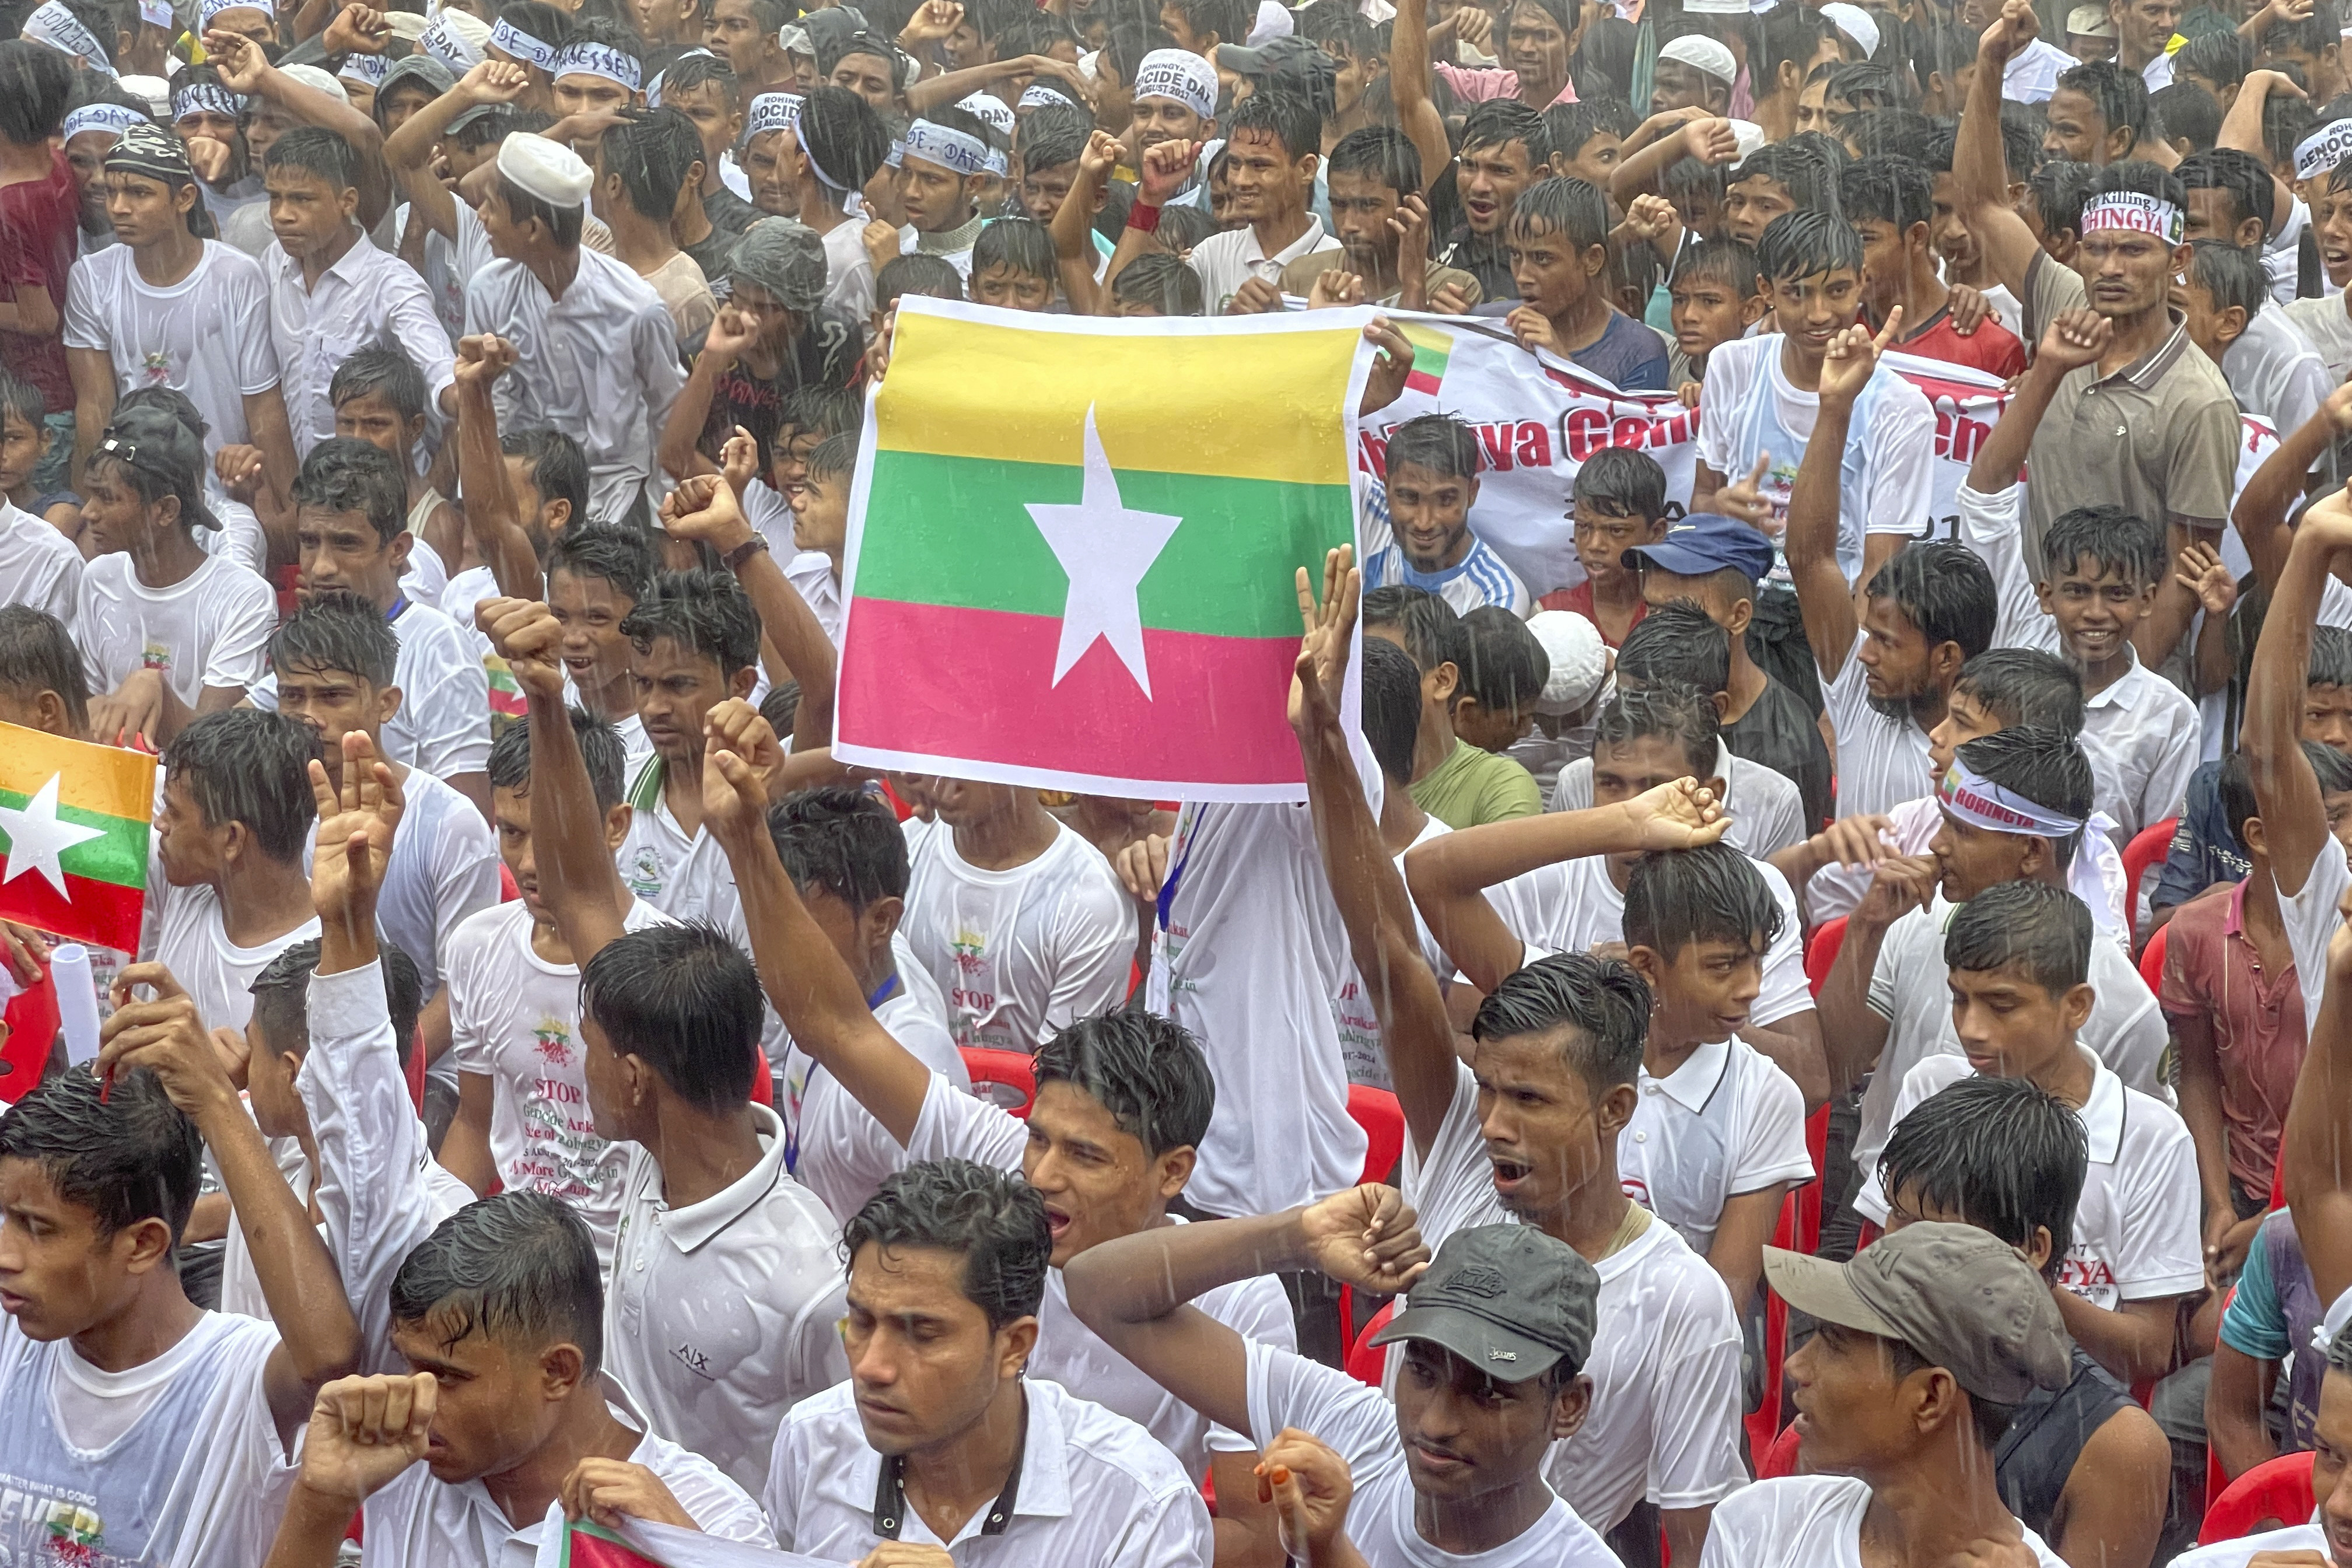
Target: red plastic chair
point(1781, 1458)
point(1367, 1361)
point(2148, 848)
point(31, 1033)
point(1764, 1423)
point(1821, 950)
point(2270, 1494)
point(1377, 1112)
point(2151, 960)
point(1007, 1080)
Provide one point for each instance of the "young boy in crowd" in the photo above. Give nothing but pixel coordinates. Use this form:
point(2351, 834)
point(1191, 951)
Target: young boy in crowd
point(39, 564)
point(1559, 243)
point(1889, 202)
point(596, 573)
point(821, 529)
point(378, 395)
point(1618, 503)
point(1382, 224)
point(1432, 484)
point(1454, 781)
point(1717, 294)
point(1503, 681)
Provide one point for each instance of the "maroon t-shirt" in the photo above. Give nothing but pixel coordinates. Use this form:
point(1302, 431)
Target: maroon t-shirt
point(38, 230)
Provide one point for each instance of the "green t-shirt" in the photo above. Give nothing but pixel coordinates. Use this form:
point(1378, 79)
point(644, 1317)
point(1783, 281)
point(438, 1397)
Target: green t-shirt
point(1474, 786)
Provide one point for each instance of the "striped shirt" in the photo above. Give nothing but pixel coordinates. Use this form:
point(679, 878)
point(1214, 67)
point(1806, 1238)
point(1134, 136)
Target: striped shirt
point(1480, 579)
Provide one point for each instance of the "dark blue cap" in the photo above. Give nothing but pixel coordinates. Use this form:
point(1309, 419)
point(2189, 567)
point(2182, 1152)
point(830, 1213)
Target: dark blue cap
point(1705, 541)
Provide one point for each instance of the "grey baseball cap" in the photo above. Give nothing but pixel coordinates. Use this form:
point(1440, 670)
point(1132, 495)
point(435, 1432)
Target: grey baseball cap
point(1961, 1297)
point(1507, 1298)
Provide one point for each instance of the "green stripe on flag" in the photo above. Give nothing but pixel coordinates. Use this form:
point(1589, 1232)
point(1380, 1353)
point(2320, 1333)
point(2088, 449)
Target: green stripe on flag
point(119, 857)
point(955, 531)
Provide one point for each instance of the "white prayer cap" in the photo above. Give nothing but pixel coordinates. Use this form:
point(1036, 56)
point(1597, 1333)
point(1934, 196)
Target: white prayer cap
point(1578, 660)
point(1746, 135)
point(1855, 24)
point(155, 92)
point(1184, 78)
point(548, 170)
point(312, 77)
point(1703, 55)
point(1274, 21)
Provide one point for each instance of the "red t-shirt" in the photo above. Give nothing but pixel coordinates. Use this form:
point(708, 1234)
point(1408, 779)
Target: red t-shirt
point(1579, 599)
point(1992, 348)
point(39, 225)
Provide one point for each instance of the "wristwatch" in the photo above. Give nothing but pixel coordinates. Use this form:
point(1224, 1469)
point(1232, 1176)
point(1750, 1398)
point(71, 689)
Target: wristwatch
point(733, 560)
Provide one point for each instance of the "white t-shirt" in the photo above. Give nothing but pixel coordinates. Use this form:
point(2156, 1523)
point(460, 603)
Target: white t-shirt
point(1727, 1121)
point(206, 335)
point(2311, 1538)
point(210, 628)
point(1909, 988)
point(1881, 762)
point(1251, 952)
point(514, 1019)
point(1020, 953)
point(38, 566)
point(2136, 1235)
point(1803, 1522)
point(957, 1125)
point(444, 870)
point(1767, 812)
point(1666, 1391)
point(444, 721)
point(1225, 261)
point(1572, 906)
point(2310, 917)
point(173, 1463)
point(190, 940)
point(849, 271)
point(1753, 410)
point(2273, 371)
point(1360, 1424)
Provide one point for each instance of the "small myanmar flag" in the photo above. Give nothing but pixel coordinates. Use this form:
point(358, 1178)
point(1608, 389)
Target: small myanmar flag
point(74, 821)
point(1431, 349)
point(587, 1544)
point(1072, 542)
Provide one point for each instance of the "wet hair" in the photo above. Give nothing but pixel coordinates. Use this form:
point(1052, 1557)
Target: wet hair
point(520, 1267)
point(1709, 893)
point(2025, 686)
point(841, 840)
point(1805, 244)
point(2229, 276)
point(2138, 177)
point(844, 135)
point(2040, 931)
point(1562, 206)
point(2314, 35)
point(706, 612)
point(684, 999)
point(654, 152)
point(1382, 152)
point(2059, 189)
point(1889, 190)
point(993, 1219)
point(1942, 587)
point(1725, 262)
point(2120, 96)
point(1601, 1004)
point(39, 79)
point(600, 749)
point(2222, 57)
point(281, 996)
point(382, 371)
point(127, 1157)
point(2188, 111)
point(1160, 279)
point(1147, 1071)
point(1499, 121)
point(1862, 85)
point(1904, 133)
point(23, 399)
point(337, 631)
point(1941, 49)
point(1793, 34)
point(558, 468)
point(2286, 121)
point(1603, 66)
point(1433, 632)
point(2002, 1153)
point(1392, 700)
point(833, 458)
point(1663, 711)
point(37, 655)
point(1053, 135)
point(1438, 443)
point(1806, 168)
point(1619, 482)
point(2331, 657)
point(2096, 540)
point(343, 474)
point(1340, 31)
point(2047, 767)
point(1022, 243)
point(916, 273)
point(315, 150)
point(611, 552)
point(1288, 117)
point(696, 69)
point(2253, 192)
point(1507, 667)
point(1183, 229)
point(250, 765)
point(1679, 644)
point(1569, 126)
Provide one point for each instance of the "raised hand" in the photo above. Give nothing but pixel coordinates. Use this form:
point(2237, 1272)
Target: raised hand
point(357, 822)
point(1533, 328)
point(357, 29)
point(1900, 884)
point(1099, 158)
point(2200, 570)
point(1652, 218)
point(1366, 1236)
point(1970, 309)
point(731, 334)
point(1333, 285)
point(1166, 166)
point(704, 507)
point(881, 242)
point(2075, 338)
point(932, 20)
point(1390, 366)
point(209, 157)
point(1852, 356)
point(166, 1037)
point(736, 726)
point(1323, 647)
point(734, 798)
point(238, 469)
point(1744, 498)
point(1711, 141)
point(239, 61)
point(1308, 1484)
point(526, 634)
point(1854, 840)
point(493, 81)
point(1475, 27)
point(2011, 32)
point(1677, 814)
point(482, 359)
point(364, 1431)
point(738, 461)
point(1142, 867)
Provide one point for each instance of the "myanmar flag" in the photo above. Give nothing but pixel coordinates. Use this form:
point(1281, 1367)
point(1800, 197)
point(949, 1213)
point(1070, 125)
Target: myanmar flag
point(1431, 348)
point(74, 822)
point(640, 1544)
point(1072, 540)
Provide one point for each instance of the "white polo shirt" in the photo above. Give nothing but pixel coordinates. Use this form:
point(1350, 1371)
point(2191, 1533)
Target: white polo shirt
point(1020, 953)
point(2136, 1234)
point(2142, 735)
point(1727, 1121)
point(1767, 812)
point(1225, 261)
point(1835, 889)
point(725, 1313)
point(38, 566)
point(1880, 761)
point(1360, 1424)
point(1805, 1521)
point(955, 1125)
point(1572, 906)
point(1910, 989)
point(1666, 1394)
point(1093, 1491)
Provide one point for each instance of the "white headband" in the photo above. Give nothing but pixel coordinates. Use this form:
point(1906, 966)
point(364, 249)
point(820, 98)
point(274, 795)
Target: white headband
point(510, 40)
point(1180, 77)
point(2134, 211)
point(990, 111)
point(773, 112)
point(443, 42)
point(213, 8)
point(205, 97)
point(110, 118)
point(369, 69)
point(586, 58)
point(1977, 801)
point(1037, 95)
point(53, 25)
point(2323, 149)
point(953, 150)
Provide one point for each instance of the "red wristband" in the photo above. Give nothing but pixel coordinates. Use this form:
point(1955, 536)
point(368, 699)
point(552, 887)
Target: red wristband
point(1142, 219)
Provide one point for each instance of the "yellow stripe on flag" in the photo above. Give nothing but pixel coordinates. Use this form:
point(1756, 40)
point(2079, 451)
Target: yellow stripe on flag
point(1166, 404)
point(107, 780)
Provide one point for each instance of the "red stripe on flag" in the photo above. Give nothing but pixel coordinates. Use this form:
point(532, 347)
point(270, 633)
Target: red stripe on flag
point(587, 1550)
point(103, 912)
point(978, 685)
point(1421, 381)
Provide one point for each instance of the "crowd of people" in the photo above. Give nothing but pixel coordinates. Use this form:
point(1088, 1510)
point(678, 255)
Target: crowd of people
point(550, 1085)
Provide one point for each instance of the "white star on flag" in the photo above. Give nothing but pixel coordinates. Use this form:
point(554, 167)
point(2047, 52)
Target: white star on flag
point(37, 837)
point(1105, 548)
